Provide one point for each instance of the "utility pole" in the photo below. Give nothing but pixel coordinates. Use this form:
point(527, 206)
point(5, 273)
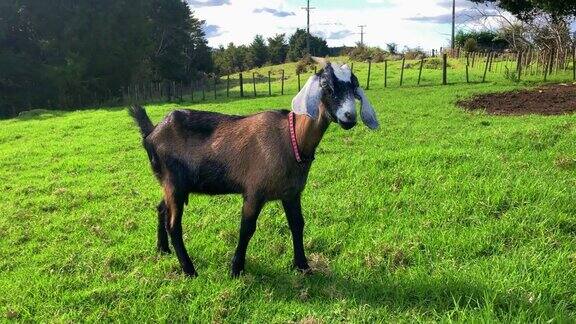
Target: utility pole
point(362, 34)
point(308, 8)
point(453, 23)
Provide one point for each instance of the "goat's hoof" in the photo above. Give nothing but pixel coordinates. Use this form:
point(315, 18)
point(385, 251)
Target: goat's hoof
point(303, 268)
point(237, 268)
point(192, 274)
point(163, 250)
point(235, 273)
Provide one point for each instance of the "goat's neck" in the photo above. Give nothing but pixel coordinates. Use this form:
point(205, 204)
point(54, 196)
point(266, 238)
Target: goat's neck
point(309, 133)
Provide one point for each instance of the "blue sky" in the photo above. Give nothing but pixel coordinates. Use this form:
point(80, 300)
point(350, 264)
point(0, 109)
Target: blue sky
point(424, 23)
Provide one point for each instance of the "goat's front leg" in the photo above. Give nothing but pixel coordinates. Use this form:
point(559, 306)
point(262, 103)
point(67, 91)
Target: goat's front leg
point(250, 211)
point(293, 210)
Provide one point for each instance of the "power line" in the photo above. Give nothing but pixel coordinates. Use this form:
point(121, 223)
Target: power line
point(362, 34)
point(308, 8)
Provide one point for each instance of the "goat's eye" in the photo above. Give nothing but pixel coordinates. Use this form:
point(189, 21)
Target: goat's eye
point(326, 87)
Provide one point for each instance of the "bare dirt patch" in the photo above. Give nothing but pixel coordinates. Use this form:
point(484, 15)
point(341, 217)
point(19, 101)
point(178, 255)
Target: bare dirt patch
point(557, 99)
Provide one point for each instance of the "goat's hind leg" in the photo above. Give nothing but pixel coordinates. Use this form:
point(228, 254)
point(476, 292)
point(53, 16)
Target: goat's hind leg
point(175, 203)
point(162, 230)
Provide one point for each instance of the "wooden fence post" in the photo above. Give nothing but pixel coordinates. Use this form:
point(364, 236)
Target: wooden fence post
point(538, 58)
point(473, 58)
point(228, 86)
point(467, 68)
point(551, 63)
point(215, 96)
point(574, 62)
point(402, 71)
point(546, 68)
point(369, 70)
point(181, 92)
point(557, 60)
point(254, 82)
point(444, 69)
point(191, 90)
point(241, 86)
point(203, 88)
point(270, 83)
point(519, 65)
point(420, 72)
point(486, 68)
point(385, 73)
point(282, 82)
point(298, 81)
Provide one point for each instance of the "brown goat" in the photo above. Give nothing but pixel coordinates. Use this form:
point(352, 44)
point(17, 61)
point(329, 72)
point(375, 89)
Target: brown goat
point(210, 153)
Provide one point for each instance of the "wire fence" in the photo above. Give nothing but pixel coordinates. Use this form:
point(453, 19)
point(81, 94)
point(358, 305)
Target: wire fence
point(456, 67)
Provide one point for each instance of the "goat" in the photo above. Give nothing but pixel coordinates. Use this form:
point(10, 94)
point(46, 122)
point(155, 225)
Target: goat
point(264, 157)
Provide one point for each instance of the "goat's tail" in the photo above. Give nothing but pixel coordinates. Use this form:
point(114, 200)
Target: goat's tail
point(146, 128)
point(142, 119)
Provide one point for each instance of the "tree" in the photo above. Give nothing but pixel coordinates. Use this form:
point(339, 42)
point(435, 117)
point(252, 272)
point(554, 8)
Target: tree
point(297, 46)
point(486, 39)
point(392, 48)
point(63, 54)
point(258, 52)
point(470, 45)
point(277, 49)
point(60, 54)
point(527, 9)
point(180, 48)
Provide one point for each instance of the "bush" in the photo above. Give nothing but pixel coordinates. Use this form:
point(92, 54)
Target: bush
point(304, 63)
point(511, 75)
point(414, 53)
point(471, 45)
point(364, 53)
point(434, 63)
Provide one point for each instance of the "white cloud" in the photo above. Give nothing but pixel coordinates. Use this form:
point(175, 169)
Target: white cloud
point(385, 23)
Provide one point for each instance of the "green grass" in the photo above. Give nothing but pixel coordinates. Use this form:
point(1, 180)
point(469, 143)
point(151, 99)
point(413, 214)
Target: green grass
point(441, 215)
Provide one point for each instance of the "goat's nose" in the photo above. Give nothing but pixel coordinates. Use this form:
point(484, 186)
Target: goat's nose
point(348, 115)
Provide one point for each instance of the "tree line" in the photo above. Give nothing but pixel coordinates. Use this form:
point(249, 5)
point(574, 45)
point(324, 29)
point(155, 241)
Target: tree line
point(275, 50)
point(67, 53)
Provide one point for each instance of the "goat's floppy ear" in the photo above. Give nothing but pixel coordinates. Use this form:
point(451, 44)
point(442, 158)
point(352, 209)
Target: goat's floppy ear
point(367, 111)
point(307, 101)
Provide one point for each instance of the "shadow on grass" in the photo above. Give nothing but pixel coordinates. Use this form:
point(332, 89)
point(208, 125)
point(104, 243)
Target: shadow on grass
point(439, 294)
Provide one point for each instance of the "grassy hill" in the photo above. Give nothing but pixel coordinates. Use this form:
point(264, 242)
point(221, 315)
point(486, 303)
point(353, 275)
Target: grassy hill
point(442, 214)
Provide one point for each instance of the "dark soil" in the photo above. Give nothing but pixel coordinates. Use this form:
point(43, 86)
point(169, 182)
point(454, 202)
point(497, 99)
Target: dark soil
point(557, 99)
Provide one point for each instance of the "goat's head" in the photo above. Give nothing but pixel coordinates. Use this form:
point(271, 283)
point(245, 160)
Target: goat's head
point(335, 87)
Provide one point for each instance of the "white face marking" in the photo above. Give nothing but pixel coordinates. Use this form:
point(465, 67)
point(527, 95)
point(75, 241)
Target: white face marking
point(343, 73)
point(348, 106)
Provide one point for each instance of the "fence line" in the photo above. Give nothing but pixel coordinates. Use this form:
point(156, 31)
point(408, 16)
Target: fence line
point(526, 65)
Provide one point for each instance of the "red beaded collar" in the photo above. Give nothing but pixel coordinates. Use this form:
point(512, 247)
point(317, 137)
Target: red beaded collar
point(292, 125)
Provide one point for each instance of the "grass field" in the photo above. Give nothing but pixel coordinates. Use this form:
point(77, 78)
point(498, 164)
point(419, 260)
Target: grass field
point(441, 215)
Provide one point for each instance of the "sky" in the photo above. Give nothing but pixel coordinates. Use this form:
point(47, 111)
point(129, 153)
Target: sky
point(424, 23)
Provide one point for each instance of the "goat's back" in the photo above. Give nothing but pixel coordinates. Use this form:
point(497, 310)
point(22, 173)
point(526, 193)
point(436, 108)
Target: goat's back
point(216, 153)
